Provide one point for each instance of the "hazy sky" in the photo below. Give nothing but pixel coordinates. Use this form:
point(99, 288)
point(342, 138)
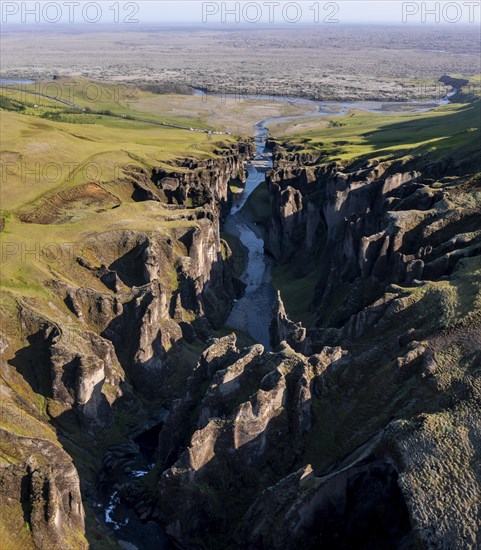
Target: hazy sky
point(247, 13)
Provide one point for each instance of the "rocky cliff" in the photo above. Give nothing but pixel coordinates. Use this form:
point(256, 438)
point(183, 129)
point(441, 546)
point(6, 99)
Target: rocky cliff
point(107, 342)
point(398, 251)
point(362, 428)
point(369, 225)
point(199, 182)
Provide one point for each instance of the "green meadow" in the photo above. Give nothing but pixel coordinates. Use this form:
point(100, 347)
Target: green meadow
point(40, 155)
point(73, 178)
point(445, 130)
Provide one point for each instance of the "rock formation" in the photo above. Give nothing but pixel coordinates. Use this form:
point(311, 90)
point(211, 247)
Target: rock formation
point(332, 439)
point(360, 429)
point(110, 330)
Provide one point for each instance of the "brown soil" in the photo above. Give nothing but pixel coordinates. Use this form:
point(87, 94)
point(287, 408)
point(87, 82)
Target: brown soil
point(68, 205)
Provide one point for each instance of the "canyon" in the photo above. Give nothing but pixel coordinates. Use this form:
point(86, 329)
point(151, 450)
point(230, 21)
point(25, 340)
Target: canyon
point(346, 435)
point(143, 407)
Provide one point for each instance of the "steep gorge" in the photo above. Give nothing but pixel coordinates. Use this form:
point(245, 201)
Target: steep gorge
point(356, 427)
point(352, 430)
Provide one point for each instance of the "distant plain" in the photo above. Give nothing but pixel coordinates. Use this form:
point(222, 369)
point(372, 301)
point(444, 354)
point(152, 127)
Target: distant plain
point(322, 63)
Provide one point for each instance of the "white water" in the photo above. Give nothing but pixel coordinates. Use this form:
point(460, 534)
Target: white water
point(110, 510)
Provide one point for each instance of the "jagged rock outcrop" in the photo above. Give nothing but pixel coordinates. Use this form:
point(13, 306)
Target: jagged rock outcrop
point(314, 444)
point(207, 283)
point(349, 507)
point(348, 209)
point(237, 442)
point(73, 368)
point(204, 181)
point(146, 315)
point(114, 320)
point(373, 221)
point(392, 490)
point(45, 488)
point(283, 329)
point(397, 251)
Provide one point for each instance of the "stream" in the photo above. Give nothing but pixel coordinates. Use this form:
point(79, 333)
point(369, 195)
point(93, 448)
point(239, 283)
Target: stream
point(252, 312)
point(128, 462)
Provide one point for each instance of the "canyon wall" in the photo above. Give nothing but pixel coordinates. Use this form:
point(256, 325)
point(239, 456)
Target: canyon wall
point(360, 428)
point(354, 430)
point(107, 340)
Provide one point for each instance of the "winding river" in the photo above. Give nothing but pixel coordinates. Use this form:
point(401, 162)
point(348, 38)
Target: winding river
point(252, 312)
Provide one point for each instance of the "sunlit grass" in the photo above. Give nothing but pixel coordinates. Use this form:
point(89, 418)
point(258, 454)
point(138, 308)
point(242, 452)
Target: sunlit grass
point(372, 135)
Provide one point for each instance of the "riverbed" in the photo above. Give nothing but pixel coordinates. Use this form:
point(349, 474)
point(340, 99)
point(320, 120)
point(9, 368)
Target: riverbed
point(252, 312)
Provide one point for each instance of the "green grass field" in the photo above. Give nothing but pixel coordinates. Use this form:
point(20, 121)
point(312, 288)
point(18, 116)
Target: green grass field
point(447, 130)
point(103, 98)
point(359, 134)
point(40, 155)
point(71, 180)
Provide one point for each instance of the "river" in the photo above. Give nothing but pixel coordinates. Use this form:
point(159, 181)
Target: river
point(252, 312)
